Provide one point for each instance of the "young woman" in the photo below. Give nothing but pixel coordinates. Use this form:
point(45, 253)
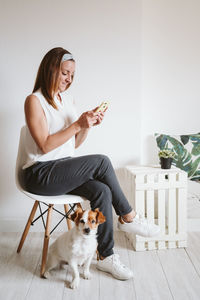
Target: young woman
point(53, 132)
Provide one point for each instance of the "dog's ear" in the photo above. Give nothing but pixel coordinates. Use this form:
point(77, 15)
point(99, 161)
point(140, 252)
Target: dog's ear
point(76, 215)
point(100, 217)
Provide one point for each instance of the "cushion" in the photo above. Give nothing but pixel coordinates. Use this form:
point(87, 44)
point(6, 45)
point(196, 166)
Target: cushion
point(186, 149)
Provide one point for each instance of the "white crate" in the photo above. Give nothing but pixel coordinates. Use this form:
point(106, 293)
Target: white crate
point(160, 196)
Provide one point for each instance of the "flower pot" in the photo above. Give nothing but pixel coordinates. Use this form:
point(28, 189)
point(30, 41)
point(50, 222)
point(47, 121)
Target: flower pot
point(166, 162)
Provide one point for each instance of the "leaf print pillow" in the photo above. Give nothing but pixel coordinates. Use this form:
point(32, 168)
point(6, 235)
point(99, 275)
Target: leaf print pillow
point(186, 149)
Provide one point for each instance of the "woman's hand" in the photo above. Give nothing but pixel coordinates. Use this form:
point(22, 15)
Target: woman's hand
point(87, 119)
point(100, 116)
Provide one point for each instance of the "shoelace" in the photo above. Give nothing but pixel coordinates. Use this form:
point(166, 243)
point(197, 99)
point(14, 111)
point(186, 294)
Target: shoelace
point(116, 261)
point(139, 219)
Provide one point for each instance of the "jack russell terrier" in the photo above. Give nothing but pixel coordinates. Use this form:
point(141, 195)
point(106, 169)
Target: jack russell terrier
point(77, 246)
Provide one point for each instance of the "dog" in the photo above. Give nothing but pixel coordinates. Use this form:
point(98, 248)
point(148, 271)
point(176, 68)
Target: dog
point(77, 246)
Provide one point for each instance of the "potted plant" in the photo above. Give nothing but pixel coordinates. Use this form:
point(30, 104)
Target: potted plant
point(166, 156)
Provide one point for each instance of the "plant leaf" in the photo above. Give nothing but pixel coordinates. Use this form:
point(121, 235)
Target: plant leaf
point(183, 158)
point(184, 139)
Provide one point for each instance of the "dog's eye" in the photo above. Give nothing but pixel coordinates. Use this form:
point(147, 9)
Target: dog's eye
point(93, 221)
point(82, 221)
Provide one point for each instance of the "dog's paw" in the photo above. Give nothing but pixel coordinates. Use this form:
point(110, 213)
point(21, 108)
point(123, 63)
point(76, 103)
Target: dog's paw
point(46, 275)
point(74, 284)
point(87, 275)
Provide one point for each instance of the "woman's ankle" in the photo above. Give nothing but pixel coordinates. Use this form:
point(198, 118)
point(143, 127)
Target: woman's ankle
point(128, 218)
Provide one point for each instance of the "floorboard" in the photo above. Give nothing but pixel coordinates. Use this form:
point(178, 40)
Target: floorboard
point(181, 275)
point(51, 288)
point(158, 275)
point(193, 250)
point(19, 269)
point(149, 278)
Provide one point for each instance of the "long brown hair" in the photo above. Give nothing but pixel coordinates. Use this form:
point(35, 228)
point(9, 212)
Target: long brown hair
point(48, 73)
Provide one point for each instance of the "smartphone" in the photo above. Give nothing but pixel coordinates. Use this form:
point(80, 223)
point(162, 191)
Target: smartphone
point(103, 106)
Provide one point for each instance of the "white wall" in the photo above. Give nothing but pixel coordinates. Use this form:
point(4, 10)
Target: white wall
point(170, 71)
point(104, 36)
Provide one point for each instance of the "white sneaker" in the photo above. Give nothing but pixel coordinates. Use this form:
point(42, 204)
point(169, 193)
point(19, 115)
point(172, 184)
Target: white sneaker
point(140, 226)
point(113, 265)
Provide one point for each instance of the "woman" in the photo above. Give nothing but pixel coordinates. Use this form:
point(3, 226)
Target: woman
point(53, 132)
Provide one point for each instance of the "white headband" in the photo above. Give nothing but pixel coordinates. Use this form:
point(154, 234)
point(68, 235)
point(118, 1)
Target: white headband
point(67, 56)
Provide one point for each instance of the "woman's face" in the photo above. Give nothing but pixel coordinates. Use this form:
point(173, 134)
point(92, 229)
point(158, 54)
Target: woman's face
point(66, 74)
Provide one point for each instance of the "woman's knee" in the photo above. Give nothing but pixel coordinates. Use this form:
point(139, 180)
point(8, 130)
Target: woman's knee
point(105, 162)
point(105, 158)
point(101, 157)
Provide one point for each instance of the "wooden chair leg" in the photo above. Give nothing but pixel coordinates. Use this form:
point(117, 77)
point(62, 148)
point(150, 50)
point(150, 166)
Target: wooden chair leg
point(46, 240)
point(27, 227)
point(69, 224)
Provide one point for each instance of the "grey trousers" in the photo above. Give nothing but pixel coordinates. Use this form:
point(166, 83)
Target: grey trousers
point(90, 176)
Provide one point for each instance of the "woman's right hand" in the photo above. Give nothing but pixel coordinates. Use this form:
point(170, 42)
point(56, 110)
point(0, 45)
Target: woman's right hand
point(87, 119)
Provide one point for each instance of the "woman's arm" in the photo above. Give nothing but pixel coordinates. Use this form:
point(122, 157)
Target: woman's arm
point(80, 137)
point(37, 125)
point(82, 134)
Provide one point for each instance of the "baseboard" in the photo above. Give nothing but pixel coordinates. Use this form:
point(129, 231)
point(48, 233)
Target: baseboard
point(18, 226)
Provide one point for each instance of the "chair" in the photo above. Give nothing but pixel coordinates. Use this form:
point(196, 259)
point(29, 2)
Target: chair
point(67, 200)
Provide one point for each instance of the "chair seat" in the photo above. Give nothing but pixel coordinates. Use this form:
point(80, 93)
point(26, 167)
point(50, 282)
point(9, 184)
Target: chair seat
point(61, 199)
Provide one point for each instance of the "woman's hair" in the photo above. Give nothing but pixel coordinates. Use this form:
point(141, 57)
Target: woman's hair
point(48, 73)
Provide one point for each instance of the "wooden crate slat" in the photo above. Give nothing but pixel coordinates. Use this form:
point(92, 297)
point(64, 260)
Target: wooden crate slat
point(161, 210)
point(161, 196)
point(182, 206)
point(139, 208)
point(150, 206)
point(172, 209)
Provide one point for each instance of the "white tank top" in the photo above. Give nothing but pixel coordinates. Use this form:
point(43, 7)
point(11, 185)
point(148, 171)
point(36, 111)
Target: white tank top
point(56, 120)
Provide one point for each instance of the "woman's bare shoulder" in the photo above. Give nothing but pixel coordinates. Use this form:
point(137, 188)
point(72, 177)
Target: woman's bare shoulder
point(31, 98)
point(32, 103)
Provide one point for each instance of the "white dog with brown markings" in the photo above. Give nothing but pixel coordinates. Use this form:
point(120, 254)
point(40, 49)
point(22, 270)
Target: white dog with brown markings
point(77, 246)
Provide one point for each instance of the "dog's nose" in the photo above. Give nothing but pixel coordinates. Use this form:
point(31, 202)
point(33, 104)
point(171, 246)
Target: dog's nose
point(87, 230)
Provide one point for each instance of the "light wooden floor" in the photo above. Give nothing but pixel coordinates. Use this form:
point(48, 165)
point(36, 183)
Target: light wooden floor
point(164, 274)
